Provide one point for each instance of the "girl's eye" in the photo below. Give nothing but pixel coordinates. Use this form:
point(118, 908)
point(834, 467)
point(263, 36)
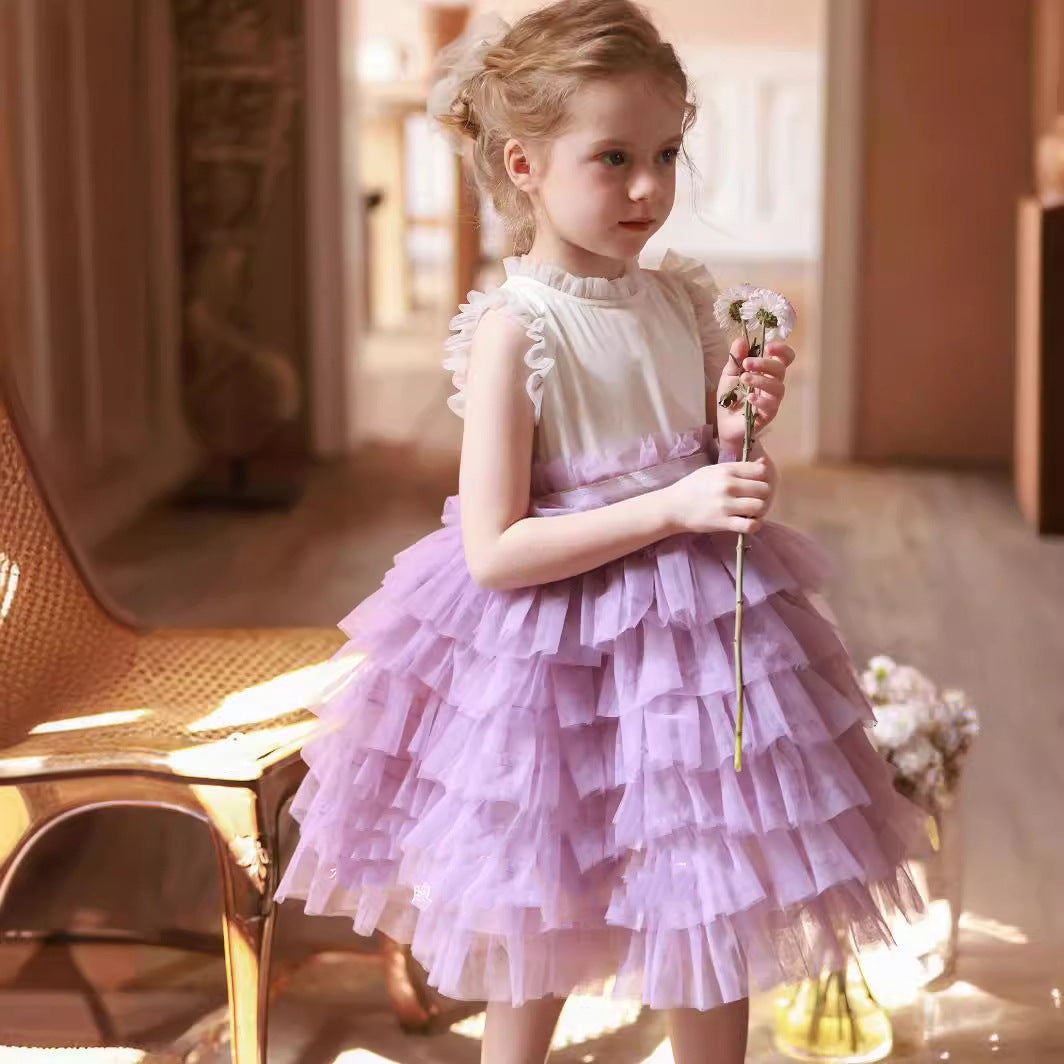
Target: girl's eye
point(670, 155)
point(613, 158)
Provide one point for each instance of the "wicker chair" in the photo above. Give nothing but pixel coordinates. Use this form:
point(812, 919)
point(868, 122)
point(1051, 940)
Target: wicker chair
point(96, 712)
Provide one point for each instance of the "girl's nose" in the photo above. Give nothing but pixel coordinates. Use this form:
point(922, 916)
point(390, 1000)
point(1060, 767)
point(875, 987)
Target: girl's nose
point(643, 185)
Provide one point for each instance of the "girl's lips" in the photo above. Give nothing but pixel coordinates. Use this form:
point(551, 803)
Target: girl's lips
point(645, 223)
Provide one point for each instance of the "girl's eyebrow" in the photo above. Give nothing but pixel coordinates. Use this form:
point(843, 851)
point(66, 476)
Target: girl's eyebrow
point(620, 142)
point(609, 142)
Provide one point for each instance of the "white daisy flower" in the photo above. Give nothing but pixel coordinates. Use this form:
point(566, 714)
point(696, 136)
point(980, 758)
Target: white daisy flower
point(769, 309)
point(917, 759)
point(727, 306)
point(923, 733)
point(907, 684)
point(874, 677)
point(895, 726)
point(881, 664)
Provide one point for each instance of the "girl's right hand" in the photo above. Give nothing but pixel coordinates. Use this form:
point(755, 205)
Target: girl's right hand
point(730, 497)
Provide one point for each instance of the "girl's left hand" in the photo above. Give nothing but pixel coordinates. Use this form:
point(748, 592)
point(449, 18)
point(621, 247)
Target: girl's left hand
point(766, 376)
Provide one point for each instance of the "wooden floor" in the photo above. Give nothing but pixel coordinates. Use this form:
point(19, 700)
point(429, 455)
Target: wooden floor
point(934, 568)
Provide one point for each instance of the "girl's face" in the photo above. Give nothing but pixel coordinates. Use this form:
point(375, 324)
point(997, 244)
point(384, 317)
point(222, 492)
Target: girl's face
point(605, 185)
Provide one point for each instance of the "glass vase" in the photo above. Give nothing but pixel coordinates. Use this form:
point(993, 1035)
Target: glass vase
point(833, 1017)
point(932, 938)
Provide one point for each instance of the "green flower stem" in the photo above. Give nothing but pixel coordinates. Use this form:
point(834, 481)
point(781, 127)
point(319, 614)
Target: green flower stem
point(843, 1005)
point(844, 997)
point(750, 416)
point(823, 985)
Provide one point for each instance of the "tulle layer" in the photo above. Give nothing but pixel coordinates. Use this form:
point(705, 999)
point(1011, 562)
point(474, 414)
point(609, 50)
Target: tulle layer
point(534, 788)
point(686, 580)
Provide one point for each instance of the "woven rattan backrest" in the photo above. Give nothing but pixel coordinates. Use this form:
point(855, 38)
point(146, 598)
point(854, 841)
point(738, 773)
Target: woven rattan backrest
point(54, 636)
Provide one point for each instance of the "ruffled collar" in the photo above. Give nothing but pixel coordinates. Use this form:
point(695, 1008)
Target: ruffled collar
point(555, 277)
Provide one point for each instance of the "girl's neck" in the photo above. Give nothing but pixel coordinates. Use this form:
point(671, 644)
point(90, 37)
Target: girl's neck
point(554, 251)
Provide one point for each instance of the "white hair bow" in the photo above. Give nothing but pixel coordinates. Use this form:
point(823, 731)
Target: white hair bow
point(460, 60)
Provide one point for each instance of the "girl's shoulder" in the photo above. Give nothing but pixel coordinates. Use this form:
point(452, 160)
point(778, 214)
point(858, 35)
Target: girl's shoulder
point(680, 274)
point(463, 327)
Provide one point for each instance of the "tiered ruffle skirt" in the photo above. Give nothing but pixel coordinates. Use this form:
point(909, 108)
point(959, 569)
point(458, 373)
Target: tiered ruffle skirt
point(535, 790)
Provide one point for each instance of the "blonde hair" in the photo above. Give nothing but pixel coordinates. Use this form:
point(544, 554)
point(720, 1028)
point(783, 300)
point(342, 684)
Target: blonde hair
point(521, 84)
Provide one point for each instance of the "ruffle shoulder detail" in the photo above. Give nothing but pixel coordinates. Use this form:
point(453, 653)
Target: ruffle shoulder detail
point(464, 325)
point(703, 291)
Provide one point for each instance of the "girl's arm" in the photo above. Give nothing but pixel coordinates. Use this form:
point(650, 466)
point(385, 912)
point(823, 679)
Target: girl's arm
point(504, 547)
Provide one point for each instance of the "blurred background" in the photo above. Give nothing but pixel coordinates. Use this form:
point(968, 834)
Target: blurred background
point(231, 241)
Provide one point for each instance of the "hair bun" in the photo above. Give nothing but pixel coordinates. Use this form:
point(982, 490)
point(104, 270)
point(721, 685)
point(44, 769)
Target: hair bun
point(454, 67)
point(463, 115)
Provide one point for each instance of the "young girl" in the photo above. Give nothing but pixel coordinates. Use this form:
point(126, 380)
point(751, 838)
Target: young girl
point(528, 769)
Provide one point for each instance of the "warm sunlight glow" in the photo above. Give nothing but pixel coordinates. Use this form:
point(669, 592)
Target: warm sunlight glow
point(984, 925)
point(15, 766)
point(275, 697)
point(895, 976)
point(586, 1018)
point(14, 820)
point(962, 989)
point(9, 573)
point(583, 1019)
point(661, 1055)
point(95, 720)
point(237, 757)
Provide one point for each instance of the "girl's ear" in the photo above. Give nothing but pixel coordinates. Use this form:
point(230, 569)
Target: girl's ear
point(518, 163)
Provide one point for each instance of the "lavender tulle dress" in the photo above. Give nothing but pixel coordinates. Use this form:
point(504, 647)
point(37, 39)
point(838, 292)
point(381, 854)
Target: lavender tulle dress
point(534, 788)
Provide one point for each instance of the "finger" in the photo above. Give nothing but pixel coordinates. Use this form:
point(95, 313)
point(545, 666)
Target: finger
point(754, 470)
point(770, 393)
point(747, 507)
point(739, 487)
point(743, 525)
point(738, 352)
point(775, 366)
point(764, 385)
point(752, 489)
point(762, 402)
point(783, 352)
point(749, 487)
point(766, 367)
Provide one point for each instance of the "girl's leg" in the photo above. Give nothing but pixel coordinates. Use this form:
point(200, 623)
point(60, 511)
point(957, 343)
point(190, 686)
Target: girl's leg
point(716, 1036)
point(520, 1035)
